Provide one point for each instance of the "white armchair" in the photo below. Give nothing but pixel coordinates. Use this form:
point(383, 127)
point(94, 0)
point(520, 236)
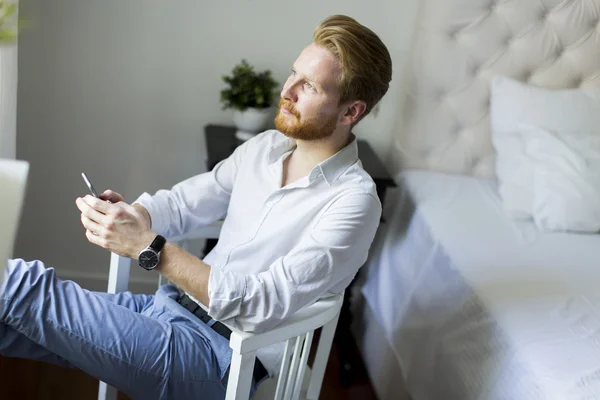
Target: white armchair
point(296, 380)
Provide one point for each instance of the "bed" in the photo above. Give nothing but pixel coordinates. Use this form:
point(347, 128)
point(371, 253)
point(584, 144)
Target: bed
point(483, 307)
point(457, 300)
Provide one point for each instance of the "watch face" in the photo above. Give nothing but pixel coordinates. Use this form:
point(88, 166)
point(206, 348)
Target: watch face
point(148, 259)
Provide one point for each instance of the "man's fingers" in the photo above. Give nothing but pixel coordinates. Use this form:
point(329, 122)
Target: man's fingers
point(92, 226)
point(91, 213)
point(98, 204)
point(97, 240)
point(94, 208)
point(111, 196)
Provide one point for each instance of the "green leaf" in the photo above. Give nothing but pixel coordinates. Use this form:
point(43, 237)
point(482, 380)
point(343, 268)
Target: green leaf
point(7, 35)
point(6, 11)
point(248, 88)
point(10, 25)
point(11, 10)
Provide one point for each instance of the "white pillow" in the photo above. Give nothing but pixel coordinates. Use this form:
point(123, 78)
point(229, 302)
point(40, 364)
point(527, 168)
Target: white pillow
point(566, 185)
point(516, 105)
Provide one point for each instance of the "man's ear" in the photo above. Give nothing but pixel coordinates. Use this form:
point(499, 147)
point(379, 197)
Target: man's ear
point(353, 111)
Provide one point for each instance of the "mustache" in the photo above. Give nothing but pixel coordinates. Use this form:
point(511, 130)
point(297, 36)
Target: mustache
point(290, 107)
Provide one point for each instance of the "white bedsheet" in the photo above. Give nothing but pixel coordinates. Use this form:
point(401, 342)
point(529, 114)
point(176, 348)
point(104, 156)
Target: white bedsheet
point(478, 306)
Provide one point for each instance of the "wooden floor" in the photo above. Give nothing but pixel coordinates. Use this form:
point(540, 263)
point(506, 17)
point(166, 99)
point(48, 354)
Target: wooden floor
point(29, 380)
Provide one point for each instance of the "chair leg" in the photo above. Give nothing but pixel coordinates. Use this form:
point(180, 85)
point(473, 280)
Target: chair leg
point(118, 281)
point(320, 363)
point(240, 376)
point(106, 392)
point(118, 275)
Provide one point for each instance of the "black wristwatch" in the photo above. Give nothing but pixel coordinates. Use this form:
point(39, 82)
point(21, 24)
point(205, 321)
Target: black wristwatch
point(150, 256)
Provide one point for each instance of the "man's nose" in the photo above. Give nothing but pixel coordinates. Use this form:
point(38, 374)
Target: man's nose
point(289, 93)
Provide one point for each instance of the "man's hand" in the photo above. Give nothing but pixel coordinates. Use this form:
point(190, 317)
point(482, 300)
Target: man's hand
point(117, 227)
point(111, 196)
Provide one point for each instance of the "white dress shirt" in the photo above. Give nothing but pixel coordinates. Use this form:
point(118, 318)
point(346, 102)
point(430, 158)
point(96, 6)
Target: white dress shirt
point(280, 248)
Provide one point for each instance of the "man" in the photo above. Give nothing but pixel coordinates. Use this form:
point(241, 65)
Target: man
point(301, 214)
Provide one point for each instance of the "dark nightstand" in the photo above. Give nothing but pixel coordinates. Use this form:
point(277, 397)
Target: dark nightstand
point(221, 142)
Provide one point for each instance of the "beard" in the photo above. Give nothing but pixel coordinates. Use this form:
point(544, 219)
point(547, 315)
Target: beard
point(309, 129)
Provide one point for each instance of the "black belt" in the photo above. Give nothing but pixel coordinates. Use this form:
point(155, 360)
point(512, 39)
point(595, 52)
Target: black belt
point(259, 370)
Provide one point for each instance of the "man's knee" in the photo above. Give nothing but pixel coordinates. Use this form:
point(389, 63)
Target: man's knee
point(20, 271)
point(22, 277)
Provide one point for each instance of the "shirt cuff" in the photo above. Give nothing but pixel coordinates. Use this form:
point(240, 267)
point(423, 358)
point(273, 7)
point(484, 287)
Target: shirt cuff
point(226, 293)
point(158, 224)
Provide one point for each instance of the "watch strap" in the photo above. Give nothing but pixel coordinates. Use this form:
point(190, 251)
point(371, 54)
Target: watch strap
point(158, 243)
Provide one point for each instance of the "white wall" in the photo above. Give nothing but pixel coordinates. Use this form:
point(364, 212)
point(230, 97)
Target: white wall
point(122, 90)
point(8, 101)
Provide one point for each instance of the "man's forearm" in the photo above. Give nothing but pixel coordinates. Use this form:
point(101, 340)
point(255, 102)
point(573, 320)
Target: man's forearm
point(186, 271)
point(180, 267)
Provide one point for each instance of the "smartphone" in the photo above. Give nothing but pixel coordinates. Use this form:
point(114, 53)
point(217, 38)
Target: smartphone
point(89, 184)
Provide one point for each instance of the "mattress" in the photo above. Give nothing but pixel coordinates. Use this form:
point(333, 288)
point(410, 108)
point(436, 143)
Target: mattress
point(478, 306)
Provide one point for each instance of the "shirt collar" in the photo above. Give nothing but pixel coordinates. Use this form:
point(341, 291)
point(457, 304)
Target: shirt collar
point(282, 145)
point(330, 169)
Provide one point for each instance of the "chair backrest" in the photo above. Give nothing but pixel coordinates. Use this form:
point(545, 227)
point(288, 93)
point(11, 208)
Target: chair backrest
point(295, 379)
point(291, 382)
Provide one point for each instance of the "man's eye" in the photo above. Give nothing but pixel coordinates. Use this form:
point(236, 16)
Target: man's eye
point(308, 85)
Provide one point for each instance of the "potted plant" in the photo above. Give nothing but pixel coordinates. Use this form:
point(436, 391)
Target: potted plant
point(251, 96)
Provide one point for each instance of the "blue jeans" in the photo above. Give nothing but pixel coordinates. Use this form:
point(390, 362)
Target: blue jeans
point(149, 347)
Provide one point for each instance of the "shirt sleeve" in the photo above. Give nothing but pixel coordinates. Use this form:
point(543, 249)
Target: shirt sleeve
point(328, 256)
point(195, 202)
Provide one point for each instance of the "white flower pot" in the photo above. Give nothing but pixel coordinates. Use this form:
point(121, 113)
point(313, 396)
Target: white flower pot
point(251, 121)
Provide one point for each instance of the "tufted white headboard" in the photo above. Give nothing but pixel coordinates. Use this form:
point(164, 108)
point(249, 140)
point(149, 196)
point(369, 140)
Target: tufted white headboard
point(460, 45)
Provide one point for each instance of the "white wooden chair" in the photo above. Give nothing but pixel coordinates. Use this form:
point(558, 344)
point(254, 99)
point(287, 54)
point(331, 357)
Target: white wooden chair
point(296, 380)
